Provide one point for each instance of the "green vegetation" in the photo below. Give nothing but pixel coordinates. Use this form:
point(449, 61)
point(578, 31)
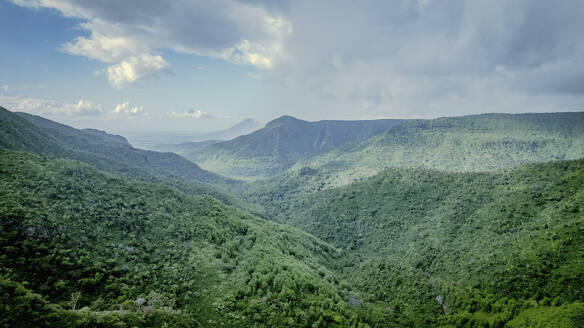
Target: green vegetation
point(461, 144)
point(280, 144)
point(510, 238)
point(130, 238)
point(23, 308)
point(551, 316)
point(346, 151)
point(113, 154)
point(110, 153)
point(132, 248)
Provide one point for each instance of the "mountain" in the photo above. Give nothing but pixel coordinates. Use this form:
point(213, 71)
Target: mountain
point(469, 143)
point(176, 141)
point(281, 143)
point(480, 247)
point(25, 132)
point(451, 222)
point(246, 126)
point(81, 248)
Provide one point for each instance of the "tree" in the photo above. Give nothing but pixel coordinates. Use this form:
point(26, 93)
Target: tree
point(74, 298)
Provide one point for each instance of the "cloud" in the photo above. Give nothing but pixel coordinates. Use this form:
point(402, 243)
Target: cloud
point(192, 113)
point(134, 68)
point(62, 109)
point(125, 109)
point(40, 106)
point(421, 58)
point(379, 58)
point(129, 34)
point(8, 88)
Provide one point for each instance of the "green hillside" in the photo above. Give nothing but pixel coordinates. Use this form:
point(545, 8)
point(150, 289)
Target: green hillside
point(125, 253)
point(468, 143)
point(466, 237)
point(113, 154)
point(140, 245)
point(25, 132)
point(280, 144)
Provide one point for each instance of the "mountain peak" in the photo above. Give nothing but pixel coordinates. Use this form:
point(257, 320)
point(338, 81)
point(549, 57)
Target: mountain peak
point(284, 119)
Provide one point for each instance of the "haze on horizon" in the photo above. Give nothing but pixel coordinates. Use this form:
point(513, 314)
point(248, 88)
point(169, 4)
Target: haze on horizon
point(201, 66)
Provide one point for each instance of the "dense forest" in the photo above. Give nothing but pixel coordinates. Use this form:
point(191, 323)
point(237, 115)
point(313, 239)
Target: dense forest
point(473, 221)
point(469, 143)
point(82, 248)
point(418, 234)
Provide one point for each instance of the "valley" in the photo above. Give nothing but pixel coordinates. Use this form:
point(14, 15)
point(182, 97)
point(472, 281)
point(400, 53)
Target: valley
point(291, 164)
point(471, 221)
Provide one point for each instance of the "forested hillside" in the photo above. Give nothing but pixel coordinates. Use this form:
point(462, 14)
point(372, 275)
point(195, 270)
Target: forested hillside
point(25, 132)
point(80, 248)
point(468, 143)
point(291, 164)
point(113, 154)
point(486, 243)
point(280, 144)
point(446, 236)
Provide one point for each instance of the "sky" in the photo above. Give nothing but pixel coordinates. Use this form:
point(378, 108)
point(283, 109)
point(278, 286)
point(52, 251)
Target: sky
point(143, 66)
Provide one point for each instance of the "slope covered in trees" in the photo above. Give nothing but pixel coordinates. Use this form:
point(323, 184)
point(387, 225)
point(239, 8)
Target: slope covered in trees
point(113, 154)
point(406, 247)
point(280, 144)
point(125, 252)
point(487, 244)
point(461, 144)
point(25, 132)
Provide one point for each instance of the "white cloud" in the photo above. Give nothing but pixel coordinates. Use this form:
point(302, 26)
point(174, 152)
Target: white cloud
point(192, 113)
point(125, 109)
point(65, 110)
point(102, 48)
point(40, 106)
point(128, 34)
point(134, 68)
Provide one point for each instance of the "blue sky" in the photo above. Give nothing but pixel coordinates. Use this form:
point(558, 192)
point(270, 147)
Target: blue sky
point(197, 66)
point(34, 67)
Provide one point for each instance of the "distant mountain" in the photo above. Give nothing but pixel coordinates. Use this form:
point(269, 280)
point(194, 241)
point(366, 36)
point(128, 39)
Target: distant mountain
point(281, 143)
point(244, 127)
point(184, 141)
point(25, 132)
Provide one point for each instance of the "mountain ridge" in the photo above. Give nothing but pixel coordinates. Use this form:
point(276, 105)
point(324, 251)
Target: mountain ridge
point(428, 246)
point(113, 154)
point(87, 145)
point(482, 142)
point(283, 142)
